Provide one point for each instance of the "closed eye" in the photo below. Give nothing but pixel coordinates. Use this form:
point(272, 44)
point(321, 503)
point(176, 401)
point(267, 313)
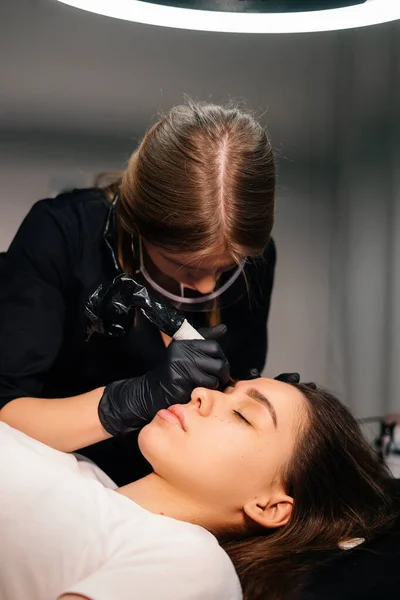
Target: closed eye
point(242, 418)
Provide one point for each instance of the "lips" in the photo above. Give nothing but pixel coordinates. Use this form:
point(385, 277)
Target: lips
point(179, 412)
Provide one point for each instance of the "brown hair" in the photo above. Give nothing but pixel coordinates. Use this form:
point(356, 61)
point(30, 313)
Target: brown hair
point(341, 491)
point(202, 179)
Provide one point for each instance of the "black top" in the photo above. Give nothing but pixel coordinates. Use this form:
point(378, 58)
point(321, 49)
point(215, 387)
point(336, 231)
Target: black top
point(56, 260)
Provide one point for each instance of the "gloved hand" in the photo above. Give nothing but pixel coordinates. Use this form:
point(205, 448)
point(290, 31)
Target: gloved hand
point(130, 404)
point(213, 333)
point(288, 377)
point(252, 374)
point(294, 378)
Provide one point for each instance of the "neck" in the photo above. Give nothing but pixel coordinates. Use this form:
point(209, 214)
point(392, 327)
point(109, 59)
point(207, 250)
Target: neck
point(159, 497)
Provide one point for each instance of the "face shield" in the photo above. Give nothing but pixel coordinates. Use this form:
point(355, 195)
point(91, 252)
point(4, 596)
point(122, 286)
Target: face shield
point(230, 288)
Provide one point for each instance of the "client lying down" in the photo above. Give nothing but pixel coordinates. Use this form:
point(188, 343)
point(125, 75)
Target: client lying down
point(272, 470)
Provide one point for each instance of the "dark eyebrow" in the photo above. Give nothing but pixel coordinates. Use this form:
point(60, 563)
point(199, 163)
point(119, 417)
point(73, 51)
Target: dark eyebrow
point(256, 395)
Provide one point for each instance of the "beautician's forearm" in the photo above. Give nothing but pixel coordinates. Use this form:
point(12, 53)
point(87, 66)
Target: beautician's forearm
point(66, 424)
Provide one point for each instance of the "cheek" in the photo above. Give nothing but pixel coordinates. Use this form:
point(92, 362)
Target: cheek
point(224, 452)
point(226, 471)
point(236, 456)
point(218, 458)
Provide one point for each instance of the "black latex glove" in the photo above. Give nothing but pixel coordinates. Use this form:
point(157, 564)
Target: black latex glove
point(288, 378)
point(130, 404)
point(213, 333)
point(294, 378)
point(252, 374)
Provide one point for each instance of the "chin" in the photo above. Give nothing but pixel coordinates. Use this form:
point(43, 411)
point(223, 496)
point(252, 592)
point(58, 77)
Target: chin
point(155, 444)
point(162, 450)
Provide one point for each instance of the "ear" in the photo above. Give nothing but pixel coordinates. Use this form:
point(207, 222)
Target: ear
point(270, 512)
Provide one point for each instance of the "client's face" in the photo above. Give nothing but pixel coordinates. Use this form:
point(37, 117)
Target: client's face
point(227, 448)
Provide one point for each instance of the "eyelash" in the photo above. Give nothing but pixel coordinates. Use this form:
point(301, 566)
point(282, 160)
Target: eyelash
point(242, 418)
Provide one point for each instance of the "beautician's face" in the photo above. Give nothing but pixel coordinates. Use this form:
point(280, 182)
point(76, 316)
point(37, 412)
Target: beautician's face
point(226, 447)
point(194, 273)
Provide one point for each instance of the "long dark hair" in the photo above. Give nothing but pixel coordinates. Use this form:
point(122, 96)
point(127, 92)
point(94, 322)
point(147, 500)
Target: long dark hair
point(341, 491)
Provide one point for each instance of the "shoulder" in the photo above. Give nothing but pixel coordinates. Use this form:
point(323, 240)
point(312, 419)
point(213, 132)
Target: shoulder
point(264, 263)
point(71, 208)
point(214, 569)
point(189, 558)
point(161, 558)
point(41, 467)
point(67, 215)
point(54, 231)
point(260, 274)
point(203, 565)
point(269, 254)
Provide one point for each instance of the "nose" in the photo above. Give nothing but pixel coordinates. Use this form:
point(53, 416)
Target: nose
point(203, 400)
point(205, 285)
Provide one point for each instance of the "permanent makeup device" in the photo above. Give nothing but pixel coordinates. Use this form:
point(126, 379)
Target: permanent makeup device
point(110, 311)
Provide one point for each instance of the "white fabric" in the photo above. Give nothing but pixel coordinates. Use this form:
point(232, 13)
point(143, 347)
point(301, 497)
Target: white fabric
point(92, 471)
point(62, 531)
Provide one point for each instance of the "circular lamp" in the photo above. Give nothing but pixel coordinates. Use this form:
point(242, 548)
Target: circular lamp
point(248, 16)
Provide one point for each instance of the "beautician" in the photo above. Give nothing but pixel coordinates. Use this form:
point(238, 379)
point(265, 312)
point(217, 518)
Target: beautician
point(191, 217)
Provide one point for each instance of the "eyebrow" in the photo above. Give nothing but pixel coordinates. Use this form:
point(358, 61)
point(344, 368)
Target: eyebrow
point(256, 395)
